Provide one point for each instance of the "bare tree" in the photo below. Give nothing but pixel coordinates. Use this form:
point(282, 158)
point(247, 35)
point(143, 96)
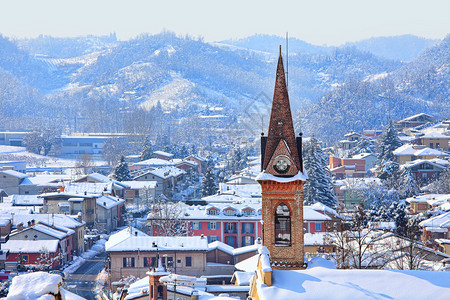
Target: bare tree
point(84, 164)
point(113, 149)
point(167, 217)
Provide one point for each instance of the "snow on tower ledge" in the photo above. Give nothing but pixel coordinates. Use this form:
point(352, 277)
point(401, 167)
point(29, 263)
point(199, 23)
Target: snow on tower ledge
point(266, 176)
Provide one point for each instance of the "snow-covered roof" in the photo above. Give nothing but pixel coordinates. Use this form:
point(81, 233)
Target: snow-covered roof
point(233, 251)
point(363, 155)
point(53, 231)
point(416, 116)
point(59, 220)
point(138, 289)
point(25, 200)
point(30, 246)
point(438, 163)
point(101, 178)
point(322, 207)
point(418, 150)
point(154, 162)
point(14, 174)
point(324, 283)
point(428, 198)
point(46, 180)
point(159, 243)
point(162, 153)
point(309, 214)
point(434, 135)
point(88, 187)
point(242, 278)
point(266, 176)
point(109, 202)
point(141, 184)
point(441, 221)
point(123, 235)
point(165, 172)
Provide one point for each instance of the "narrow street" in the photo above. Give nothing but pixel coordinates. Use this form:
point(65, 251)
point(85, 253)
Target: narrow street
point(82, 281)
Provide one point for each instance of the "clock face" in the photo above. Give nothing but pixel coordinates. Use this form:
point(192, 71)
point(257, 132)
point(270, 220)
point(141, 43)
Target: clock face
point(282, 165)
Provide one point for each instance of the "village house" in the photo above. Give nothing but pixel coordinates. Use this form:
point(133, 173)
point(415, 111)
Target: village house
point(132, 252)
point(424, 170)
point(350, 141)
point(109, 213)
point(410, 152)
point(26, 244)
point(167, 179)
point(72, 204)
point(59, 220)
point(434, 140)
point(414, 121)
point(140, 192)
point(342, 168)
point(115, 188)
point(201, 162)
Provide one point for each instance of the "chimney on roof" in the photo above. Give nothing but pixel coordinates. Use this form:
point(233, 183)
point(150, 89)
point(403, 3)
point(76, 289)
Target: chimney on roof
point(135, 233)
point(19, 226)
point(79, 217)
point(202, 236)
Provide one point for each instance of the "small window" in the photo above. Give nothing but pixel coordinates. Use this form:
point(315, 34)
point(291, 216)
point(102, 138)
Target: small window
point(188, 261)
point(212, 226)
point(318, 226)
point(25, 258)
point(213, 212)
point(282, 225)
point(128, 262)
point(229, 212)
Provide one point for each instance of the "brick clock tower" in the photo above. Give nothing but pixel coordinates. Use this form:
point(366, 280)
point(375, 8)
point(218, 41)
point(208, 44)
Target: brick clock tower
point(282, 181)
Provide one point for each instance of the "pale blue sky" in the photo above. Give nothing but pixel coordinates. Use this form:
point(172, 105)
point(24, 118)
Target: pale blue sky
point(330, 22)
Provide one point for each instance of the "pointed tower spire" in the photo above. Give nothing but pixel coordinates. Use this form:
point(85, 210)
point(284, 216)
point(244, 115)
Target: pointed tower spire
point(281, 128)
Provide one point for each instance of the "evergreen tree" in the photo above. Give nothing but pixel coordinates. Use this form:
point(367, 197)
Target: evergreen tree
point(121, 172)
point(147, 150)
point(442, 184)
point(387, 165)
point(398, 213)
point(407, 185)
point(318, 187)
point(209, 186)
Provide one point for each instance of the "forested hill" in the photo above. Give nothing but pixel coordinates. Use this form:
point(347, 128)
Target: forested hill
point(82, 76)
point(419, 86)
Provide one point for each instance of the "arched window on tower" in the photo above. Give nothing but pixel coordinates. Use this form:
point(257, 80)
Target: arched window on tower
point(282, 225)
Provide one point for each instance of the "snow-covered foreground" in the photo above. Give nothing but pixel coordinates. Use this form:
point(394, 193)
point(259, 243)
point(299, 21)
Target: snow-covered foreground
point(39, 285)
point(324, 283)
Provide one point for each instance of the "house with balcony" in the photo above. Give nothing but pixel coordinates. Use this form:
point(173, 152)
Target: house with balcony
point(434, 140)
point(72, 204)
point(425, 171)
point(414, 121)
point(342, 168)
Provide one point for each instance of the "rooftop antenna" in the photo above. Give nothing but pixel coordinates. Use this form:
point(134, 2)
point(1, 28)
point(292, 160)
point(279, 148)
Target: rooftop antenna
point(287, 61)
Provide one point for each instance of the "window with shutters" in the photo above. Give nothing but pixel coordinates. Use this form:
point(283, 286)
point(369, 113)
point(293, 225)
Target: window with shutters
point(212, 225)
point(128, 262)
